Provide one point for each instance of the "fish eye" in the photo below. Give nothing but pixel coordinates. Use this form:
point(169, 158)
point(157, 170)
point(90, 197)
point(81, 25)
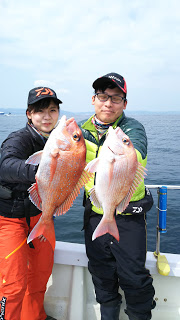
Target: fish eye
point(76, 136)
point(125, 141)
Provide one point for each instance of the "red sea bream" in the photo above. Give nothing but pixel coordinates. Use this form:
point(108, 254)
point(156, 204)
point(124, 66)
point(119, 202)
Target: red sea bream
point(59, 177)
point(118, 173)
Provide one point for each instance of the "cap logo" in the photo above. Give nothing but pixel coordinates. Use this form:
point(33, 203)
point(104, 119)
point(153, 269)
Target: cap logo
point(44, 91)
point(114, 78)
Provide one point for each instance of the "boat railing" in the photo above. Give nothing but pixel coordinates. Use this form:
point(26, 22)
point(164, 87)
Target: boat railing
point(162, 263)
point(157, 186)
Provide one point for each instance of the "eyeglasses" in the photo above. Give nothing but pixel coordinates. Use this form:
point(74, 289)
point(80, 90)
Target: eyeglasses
point(104, 97)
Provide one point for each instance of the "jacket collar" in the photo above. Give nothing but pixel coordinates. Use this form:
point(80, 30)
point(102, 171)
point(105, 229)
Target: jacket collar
point(35, 135)
point(88, 125)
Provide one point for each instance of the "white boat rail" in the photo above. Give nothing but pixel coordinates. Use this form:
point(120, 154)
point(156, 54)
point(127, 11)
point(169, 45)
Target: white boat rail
point(156, 186)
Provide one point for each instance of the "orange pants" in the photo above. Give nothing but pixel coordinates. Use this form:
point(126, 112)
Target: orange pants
point(24, 274)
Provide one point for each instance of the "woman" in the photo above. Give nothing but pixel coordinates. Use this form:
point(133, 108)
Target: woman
point(24, 269)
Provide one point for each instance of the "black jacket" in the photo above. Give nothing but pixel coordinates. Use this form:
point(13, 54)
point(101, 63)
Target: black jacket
point(15, 174)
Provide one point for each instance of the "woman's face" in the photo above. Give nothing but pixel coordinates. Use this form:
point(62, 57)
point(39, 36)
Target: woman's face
point(45, 119)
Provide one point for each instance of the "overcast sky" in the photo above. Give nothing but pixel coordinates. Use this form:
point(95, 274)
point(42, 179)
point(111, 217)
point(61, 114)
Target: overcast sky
point(66, 45)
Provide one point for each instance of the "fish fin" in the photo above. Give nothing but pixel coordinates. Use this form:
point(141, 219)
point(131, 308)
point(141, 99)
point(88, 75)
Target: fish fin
point(45, 229)
point(85, 177)
point(66, 205)
point(94, 199)
point(106, 226)
point(34, 196)
point(138, 178)
point(123, 204)
point(35, 158)
point(92, 165)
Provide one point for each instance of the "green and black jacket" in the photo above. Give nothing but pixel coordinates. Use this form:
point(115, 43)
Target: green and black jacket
point(135, 131)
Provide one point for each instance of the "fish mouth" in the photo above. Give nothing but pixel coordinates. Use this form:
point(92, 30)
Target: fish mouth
point(111, 150)
point(116, 153)
point(69, 121)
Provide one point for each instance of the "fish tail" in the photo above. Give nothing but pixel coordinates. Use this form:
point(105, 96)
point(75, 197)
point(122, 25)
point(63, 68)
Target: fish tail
point(45, 229)
point(106, 226)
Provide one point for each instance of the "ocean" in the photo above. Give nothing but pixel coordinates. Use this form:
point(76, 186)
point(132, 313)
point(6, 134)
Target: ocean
point(163, 132)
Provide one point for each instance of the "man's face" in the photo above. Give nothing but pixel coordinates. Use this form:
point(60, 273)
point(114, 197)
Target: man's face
point(109, 111)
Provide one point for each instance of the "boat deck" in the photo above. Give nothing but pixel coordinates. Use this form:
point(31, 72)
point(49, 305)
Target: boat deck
point(70, 291)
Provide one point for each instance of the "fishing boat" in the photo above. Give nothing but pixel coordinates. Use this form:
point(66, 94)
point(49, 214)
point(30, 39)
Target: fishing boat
point(70, 291)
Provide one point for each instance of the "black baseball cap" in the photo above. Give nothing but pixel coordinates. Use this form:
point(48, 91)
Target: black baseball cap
point(111, 78)
point(40, 93)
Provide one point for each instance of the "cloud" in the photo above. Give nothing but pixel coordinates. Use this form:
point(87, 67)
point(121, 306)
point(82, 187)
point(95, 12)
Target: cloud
point(62, 90)
point(71, 45)
point(38, 83)
point(50, 84)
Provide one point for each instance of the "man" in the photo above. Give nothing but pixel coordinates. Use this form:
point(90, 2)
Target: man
point(114, 264)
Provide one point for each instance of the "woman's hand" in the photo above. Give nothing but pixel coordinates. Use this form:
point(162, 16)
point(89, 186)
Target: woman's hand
point(42, 238)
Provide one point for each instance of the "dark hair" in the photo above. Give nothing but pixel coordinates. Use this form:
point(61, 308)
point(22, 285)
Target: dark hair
point(41, 104)
point(109, 85)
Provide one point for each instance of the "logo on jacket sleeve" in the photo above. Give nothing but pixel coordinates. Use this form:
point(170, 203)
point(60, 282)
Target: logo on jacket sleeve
point(3, 305)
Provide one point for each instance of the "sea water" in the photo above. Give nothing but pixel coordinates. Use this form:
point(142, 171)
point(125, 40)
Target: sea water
point(163, 132)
